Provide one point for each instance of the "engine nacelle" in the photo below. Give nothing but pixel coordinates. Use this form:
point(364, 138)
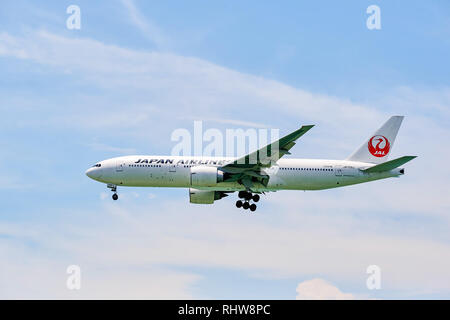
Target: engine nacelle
point(203, 176)
point(204, 196)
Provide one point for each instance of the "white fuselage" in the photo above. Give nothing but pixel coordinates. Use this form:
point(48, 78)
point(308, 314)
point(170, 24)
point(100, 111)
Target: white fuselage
point(287, 174)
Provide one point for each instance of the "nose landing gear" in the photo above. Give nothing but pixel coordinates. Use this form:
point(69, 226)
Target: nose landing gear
point(113, 188)
point(247, 197)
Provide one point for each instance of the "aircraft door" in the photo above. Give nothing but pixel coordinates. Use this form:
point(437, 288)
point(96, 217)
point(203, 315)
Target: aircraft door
point(119, 166)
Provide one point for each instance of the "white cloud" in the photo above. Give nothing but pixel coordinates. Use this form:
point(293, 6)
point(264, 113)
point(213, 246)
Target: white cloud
point(149, 29)
point(234, 122)
point(104, 147)
point(319, 289)
point(31, 270)
point(177, 83)
point(295, 239)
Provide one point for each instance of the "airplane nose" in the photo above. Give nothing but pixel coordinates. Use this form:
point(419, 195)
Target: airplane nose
point(94, 173)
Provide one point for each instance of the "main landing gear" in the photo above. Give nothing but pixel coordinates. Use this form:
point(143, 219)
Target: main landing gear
point(113, 188)
point(247, 197)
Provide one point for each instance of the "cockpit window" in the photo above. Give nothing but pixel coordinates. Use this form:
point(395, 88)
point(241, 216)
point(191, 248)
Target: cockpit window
point(97, 165)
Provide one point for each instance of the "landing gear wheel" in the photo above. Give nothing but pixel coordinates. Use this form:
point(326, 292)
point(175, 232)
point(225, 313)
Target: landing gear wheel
point(246, 205)
point(248, 196)
point(256, 197)
point(239, 203)
point(242, 194)
point(113, 188)
point(252, 207)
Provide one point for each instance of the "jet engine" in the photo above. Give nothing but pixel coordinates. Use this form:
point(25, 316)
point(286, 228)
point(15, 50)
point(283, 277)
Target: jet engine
point(203, 176)
point(205, 196)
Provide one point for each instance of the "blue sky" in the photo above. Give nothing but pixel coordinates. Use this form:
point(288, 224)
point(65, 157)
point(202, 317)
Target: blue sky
point(138, 70)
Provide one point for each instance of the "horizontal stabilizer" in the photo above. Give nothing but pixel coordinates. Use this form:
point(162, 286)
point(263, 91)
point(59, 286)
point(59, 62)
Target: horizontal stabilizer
point(389, 165)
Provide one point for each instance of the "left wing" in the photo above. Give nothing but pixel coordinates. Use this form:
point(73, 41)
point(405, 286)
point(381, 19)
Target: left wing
point(247, 169)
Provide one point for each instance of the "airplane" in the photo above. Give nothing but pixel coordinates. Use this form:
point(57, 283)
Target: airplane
point(265, 170)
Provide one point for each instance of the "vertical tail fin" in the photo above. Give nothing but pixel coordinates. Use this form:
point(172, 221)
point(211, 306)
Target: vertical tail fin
point(377, 148)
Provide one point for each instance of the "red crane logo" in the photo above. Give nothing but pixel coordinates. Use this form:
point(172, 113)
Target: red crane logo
point(379, 146)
